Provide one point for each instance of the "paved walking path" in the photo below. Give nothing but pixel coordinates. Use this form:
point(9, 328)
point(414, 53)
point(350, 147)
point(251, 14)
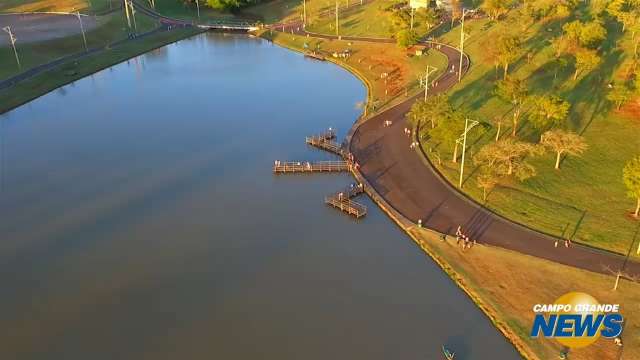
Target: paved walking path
point(411, 185)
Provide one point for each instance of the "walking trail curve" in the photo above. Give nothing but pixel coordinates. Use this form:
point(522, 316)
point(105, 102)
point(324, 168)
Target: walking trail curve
point(408, 182)
point(414, 188)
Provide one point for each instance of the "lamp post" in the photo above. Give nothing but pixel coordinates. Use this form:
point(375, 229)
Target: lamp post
point(126, 11)
point(304, 14)
point(430, 69)
point(84, 38)
point(198, 7)
point(13, 39)
point(337, 22)
point(464, 12)
point(463, 140)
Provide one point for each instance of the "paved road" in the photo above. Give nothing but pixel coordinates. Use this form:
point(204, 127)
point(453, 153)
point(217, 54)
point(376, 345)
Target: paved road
point(415, 189)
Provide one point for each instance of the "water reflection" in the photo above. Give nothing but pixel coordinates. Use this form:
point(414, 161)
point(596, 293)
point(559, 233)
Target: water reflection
point(140, 220)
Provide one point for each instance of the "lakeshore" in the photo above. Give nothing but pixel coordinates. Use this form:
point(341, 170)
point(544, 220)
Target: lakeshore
point(457, 277)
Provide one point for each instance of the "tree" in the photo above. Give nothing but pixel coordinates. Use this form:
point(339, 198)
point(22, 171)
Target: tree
point(508, 47)
point(507, 158)
point(406, 38)
point(433, 109)
point(562, 142)
point(619, 95)
point(514, 91)
point(495, 8)
point(586, 60)
point(486, 182)
point(548, 110)
point(589, 34)
point(631, 177)
point(449, 129)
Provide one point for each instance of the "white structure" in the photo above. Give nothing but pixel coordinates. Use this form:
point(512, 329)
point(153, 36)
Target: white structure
point(417, 4)
point(444, 4)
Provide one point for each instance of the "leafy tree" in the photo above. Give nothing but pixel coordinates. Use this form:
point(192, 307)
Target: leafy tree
point(619, 95)
point(448, 130)
point(406, 38)
point(631, 177)
point(586, 60)
point(507, 158)
point(562, 142)
point(508, 47)
point(548, 110)
point(486, 182)
point(514, 91)
point(433, 109)
point(589, 34)
point(626, 12)
point(226, 4)
point(496, 8)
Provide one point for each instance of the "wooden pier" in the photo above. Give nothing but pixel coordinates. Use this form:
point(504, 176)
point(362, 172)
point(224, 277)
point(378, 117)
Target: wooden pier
point(346, 205)
point(325, 142)
point(306, 166)
point(342, 200)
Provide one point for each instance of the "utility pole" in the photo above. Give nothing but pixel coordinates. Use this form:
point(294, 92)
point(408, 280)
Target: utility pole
point(626, 259)
point(464, 12)
point(198, 7)
point(84, 38)
point(133, 15)
point(304, 14)
point(126, 11)
point(412, 10)
point(337, 22)
point(430, 69)
point(13, 39)
point(463, 140)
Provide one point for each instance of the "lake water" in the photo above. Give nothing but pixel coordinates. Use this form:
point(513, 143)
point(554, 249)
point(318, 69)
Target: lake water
point(140, 219)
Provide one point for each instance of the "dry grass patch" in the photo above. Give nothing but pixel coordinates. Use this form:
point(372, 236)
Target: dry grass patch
point(510, 283)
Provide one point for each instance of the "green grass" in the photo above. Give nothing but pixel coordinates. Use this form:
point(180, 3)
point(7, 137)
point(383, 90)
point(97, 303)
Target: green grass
point(56, 5)
point(586, 199)
point(45, 82)
point(34, 54)
point(367, 20)
point(370, 60)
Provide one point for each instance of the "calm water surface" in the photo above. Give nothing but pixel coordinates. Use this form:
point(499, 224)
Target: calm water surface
point(139, 219)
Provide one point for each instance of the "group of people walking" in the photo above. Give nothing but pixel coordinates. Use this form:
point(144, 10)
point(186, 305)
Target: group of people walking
point(466, 241)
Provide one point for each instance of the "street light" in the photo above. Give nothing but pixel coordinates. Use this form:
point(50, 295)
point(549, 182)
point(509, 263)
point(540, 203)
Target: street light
point(462, 35)
point(84, 38)
point(198, 7)
point(13, 39)
point(463, 140)
point(430, 69)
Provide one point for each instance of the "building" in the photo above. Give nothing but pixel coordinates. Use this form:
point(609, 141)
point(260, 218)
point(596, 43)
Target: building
point(417, 4)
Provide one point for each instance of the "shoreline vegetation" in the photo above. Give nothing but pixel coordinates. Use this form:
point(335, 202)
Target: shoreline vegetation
point(484, 273)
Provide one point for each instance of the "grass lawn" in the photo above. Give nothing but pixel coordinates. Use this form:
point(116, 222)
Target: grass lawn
point(34, 54)
point(586, 200)
point(56, 5)
point(367, 20)
point(508, 296)
point(371, 60)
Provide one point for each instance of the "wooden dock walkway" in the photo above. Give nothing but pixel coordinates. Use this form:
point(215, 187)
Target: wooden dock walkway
point(346, 205)
point(326, 143)
point(306, 166)
point(342, 200)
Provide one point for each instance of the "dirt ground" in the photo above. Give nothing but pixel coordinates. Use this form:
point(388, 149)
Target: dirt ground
point(29, 28)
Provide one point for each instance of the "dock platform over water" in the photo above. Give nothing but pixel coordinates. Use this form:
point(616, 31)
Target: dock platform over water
point(306, 166)
point(342, 200)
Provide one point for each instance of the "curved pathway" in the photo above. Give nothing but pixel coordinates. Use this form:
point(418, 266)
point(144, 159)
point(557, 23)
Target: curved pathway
point(409, 183)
